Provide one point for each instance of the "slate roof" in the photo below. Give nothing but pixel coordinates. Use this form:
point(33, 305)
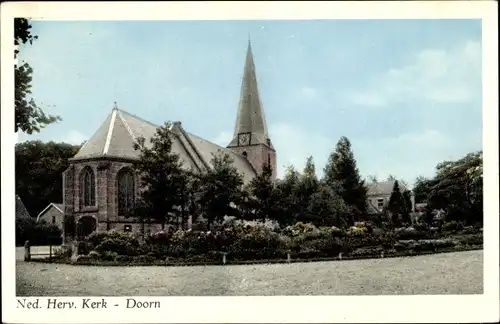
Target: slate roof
point(21, 211)
point(250, 118)
point(381, 188)
point(117, 134)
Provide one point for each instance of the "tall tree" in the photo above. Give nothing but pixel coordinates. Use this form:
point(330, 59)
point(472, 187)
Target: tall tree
point(263, 200)
point(327, 208)
point(39, 168)
point(29, 117)
point(163, 180)
point(421, 189)
point(397, 205)
point(306, 187)
point(342, 175)
point(286, 190)
point(220, 189)
point(458, 188)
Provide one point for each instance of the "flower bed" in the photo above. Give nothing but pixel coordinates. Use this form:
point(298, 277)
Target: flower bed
point(254, 242)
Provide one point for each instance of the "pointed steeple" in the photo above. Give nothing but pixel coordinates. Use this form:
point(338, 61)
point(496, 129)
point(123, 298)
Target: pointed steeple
point(251, 127)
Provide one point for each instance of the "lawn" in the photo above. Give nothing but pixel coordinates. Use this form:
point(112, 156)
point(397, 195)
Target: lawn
point(445, 273)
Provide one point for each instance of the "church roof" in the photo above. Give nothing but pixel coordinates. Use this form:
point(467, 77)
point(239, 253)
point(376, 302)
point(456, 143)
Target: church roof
point(116, 136)
point(250, 118)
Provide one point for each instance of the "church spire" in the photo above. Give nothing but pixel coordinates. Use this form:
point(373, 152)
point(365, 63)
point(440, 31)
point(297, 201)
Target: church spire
point(250, 128)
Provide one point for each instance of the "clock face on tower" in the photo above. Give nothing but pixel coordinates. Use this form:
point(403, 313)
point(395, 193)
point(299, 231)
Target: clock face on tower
point(243, 139)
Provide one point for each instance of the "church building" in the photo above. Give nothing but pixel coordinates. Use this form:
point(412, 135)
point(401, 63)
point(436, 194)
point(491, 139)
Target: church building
point(99, 186)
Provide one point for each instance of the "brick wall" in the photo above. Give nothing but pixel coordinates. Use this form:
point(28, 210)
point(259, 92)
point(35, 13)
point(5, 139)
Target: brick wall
point(257, 155)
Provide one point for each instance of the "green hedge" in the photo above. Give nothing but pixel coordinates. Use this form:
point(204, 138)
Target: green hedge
point(257, 241)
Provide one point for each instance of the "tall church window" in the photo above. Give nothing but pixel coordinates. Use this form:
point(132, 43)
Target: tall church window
point(88, 187)
point(126, 191)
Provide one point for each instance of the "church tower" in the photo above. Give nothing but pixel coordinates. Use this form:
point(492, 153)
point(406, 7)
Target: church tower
point(251, 138)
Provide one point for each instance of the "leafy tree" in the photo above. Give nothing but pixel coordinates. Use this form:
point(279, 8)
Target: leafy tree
point(458, 188)
point(306, 187)
point(391, 178)
point(342, 175)
point(327, 208)
point(39, 168)
point(263, 200)
point(30, 117)
point(163, 180)
point(421, 189)
point(287, 201)
point(220, 189)
point(373, 178)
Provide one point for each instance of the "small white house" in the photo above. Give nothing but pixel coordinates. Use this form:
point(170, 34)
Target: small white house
point(52, 214)
point(379, 193)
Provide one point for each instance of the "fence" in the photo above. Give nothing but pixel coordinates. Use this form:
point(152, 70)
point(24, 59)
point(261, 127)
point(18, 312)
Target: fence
point(28, 255)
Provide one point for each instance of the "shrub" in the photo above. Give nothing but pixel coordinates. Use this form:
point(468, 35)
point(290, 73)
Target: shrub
point(62, 252)
point(84, 247)
point(471, 239)
point(372, 251)
point(410, 233)
point(452, 226)
point(433, 245)
point(109, 256)
point(94, 255)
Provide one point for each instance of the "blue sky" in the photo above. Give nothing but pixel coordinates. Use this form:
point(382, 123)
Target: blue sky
point(407, 93)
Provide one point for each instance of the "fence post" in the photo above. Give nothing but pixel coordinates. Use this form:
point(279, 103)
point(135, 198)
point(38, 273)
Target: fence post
point(50, 252)
point(288, 257)
point(74, 250)
point(382, 254)
point(224, 258)
point(340, 256)
point(27, 251)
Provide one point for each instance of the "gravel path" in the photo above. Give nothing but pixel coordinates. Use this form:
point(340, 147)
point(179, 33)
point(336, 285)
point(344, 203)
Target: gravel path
point(446, 273)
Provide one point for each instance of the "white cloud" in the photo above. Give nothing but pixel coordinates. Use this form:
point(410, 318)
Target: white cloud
point(293, 145)
point(434, 75)
point(223, 139)
point(74, 137)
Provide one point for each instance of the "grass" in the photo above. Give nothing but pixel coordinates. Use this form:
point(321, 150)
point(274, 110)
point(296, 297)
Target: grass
point(444, 273)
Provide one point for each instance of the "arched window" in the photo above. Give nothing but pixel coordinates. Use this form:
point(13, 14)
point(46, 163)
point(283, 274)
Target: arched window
point(87, 185)
point(126, 191)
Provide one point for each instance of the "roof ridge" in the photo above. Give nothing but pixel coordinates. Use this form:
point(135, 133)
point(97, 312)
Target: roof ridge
point(137, 117)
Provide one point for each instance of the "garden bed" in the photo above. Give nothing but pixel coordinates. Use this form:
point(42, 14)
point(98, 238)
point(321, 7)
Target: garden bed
point(235, 243)
point(181, 262)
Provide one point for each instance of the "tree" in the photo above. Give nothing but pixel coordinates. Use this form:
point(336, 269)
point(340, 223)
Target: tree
point(372, 178)
point(422, 188)
point(391, 178)
point(306, 187)
point(220, 189)
point(458, 188)
point(39, 168)
point(263, 196)
point(327, 208)
point(163, 180)
point(29, 117)
point(397, 205)
point(342, 175)
point(287, 201)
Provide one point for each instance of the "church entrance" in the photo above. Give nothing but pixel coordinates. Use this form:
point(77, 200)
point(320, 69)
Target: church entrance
point(85, 226)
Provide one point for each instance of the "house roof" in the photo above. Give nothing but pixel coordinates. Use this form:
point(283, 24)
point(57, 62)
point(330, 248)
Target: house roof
point(58, 207)
point(118, 133)
point(21, 211)
point(383, 187)
point(250, 118)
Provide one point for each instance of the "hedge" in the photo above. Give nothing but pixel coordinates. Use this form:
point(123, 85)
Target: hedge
point(256, 241)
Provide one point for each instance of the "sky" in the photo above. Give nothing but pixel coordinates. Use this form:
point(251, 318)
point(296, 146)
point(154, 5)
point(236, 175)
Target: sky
point(407, 93)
